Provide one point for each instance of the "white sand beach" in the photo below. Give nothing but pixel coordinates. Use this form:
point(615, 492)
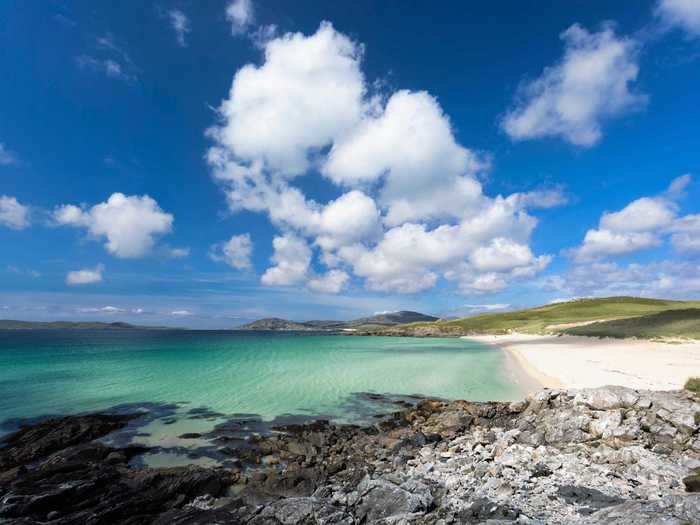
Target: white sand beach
point(581, 362)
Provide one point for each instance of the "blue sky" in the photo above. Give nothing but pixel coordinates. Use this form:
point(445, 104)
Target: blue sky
point(204, 164)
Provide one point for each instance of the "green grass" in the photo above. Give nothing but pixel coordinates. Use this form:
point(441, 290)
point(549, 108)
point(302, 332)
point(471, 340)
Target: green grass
point(671, 323)
point(540, 319)
point(693, 385)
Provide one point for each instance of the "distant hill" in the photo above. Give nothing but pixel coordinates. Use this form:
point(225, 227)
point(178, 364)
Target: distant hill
point(552, 318)
point(70, 325)
point(393, 318)
point(376, 321)
point(274, 324)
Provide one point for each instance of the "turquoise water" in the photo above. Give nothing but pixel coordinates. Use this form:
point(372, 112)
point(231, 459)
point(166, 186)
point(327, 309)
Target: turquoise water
point(59, 372)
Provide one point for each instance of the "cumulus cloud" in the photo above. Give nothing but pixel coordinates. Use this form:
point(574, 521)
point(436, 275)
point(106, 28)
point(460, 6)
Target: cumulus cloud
point(640, 225)
point(85, 276)
point(658, 279)
point(129, 224)
point(6, 156)
point(307, 92)
point(333, 281)
point(13, 215)
point(241, 15)
point(592, 83)
point(291, 261)
point(411, 145)
point(180, 24)
point(680, 13)
point(409, 209)
point(236, 252)
point(685, 236)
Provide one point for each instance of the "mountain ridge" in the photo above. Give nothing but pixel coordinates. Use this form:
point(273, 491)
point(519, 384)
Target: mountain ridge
point(386, 319)
point(11, 324)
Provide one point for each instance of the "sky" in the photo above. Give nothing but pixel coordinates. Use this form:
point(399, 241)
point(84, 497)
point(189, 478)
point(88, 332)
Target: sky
point(203, 164)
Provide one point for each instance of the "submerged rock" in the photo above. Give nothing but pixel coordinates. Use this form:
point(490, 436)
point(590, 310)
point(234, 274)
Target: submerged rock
point(595, 456)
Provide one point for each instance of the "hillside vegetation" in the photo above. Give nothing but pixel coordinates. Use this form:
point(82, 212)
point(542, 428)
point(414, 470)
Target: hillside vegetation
point(554, 318)
point(671, 323)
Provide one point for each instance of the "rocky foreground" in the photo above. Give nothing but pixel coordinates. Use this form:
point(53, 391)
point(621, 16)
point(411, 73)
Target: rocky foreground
point(598, 456)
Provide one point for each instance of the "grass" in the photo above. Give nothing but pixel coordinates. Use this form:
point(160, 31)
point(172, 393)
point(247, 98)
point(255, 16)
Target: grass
point(540, 319)
point(683, 323)
point(693, 385)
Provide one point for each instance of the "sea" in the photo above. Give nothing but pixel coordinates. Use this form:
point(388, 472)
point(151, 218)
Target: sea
point(192, 383)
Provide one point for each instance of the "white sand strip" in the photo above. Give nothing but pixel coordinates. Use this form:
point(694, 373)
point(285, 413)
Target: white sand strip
point(582, 362)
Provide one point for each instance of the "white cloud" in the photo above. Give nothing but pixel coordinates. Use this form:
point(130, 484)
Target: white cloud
point(307, 92)
point(410, 209)
point(181, 313)
point(6, 156)
point(411, 145)
point(13, 214)
point(180, 24)
point(178, 253)
point(686, 234)
point(128, 223)
point(352, 217)
point(333, 281)
point(291, 259)
point(487, 307)
point(603, 243)
point(241, 15)
point(658, 279)
point(641, 225)
point(680, 13)
point(102, 310)
point(85, 276)
point(573, 98)
point(236, 252)
point(641, 215)
point(27, 271)
point(107, 66)
point(110, 59)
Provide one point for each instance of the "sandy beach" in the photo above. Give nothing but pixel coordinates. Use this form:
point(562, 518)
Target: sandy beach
point(581, 362)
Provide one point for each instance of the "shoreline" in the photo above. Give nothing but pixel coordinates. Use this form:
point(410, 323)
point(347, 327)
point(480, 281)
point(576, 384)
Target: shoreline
point(558, 457)
point(563, 361)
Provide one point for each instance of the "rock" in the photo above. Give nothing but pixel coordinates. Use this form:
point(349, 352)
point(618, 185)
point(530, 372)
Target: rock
point(38, 441)
point(670, 510)
point(606, 424)
point(382, 499)
point(692, 482)
point(679, 412)
point(606, 397)
point(587, 500)
point(593, 456)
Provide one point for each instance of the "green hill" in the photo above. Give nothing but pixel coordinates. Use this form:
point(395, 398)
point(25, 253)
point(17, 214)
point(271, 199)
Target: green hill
point(671, 323)
point(548, 318)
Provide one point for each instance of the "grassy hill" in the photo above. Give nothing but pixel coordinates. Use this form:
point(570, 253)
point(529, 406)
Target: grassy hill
point(551, 317)
point(671, 323)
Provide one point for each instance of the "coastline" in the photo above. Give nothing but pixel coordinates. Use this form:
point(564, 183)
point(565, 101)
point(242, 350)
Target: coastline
point(563, 361)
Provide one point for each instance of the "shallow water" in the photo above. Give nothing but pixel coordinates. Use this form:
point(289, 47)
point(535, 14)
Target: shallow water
point(201, 378)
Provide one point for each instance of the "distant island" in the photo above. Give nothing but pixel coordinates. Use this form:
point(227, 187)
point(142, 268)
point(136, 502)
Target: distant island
point(375, 322)
point(8, 324)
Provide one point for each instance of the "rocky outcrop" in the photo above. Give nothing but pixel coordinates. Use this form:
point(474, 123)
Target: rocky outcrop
point(596, 456)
